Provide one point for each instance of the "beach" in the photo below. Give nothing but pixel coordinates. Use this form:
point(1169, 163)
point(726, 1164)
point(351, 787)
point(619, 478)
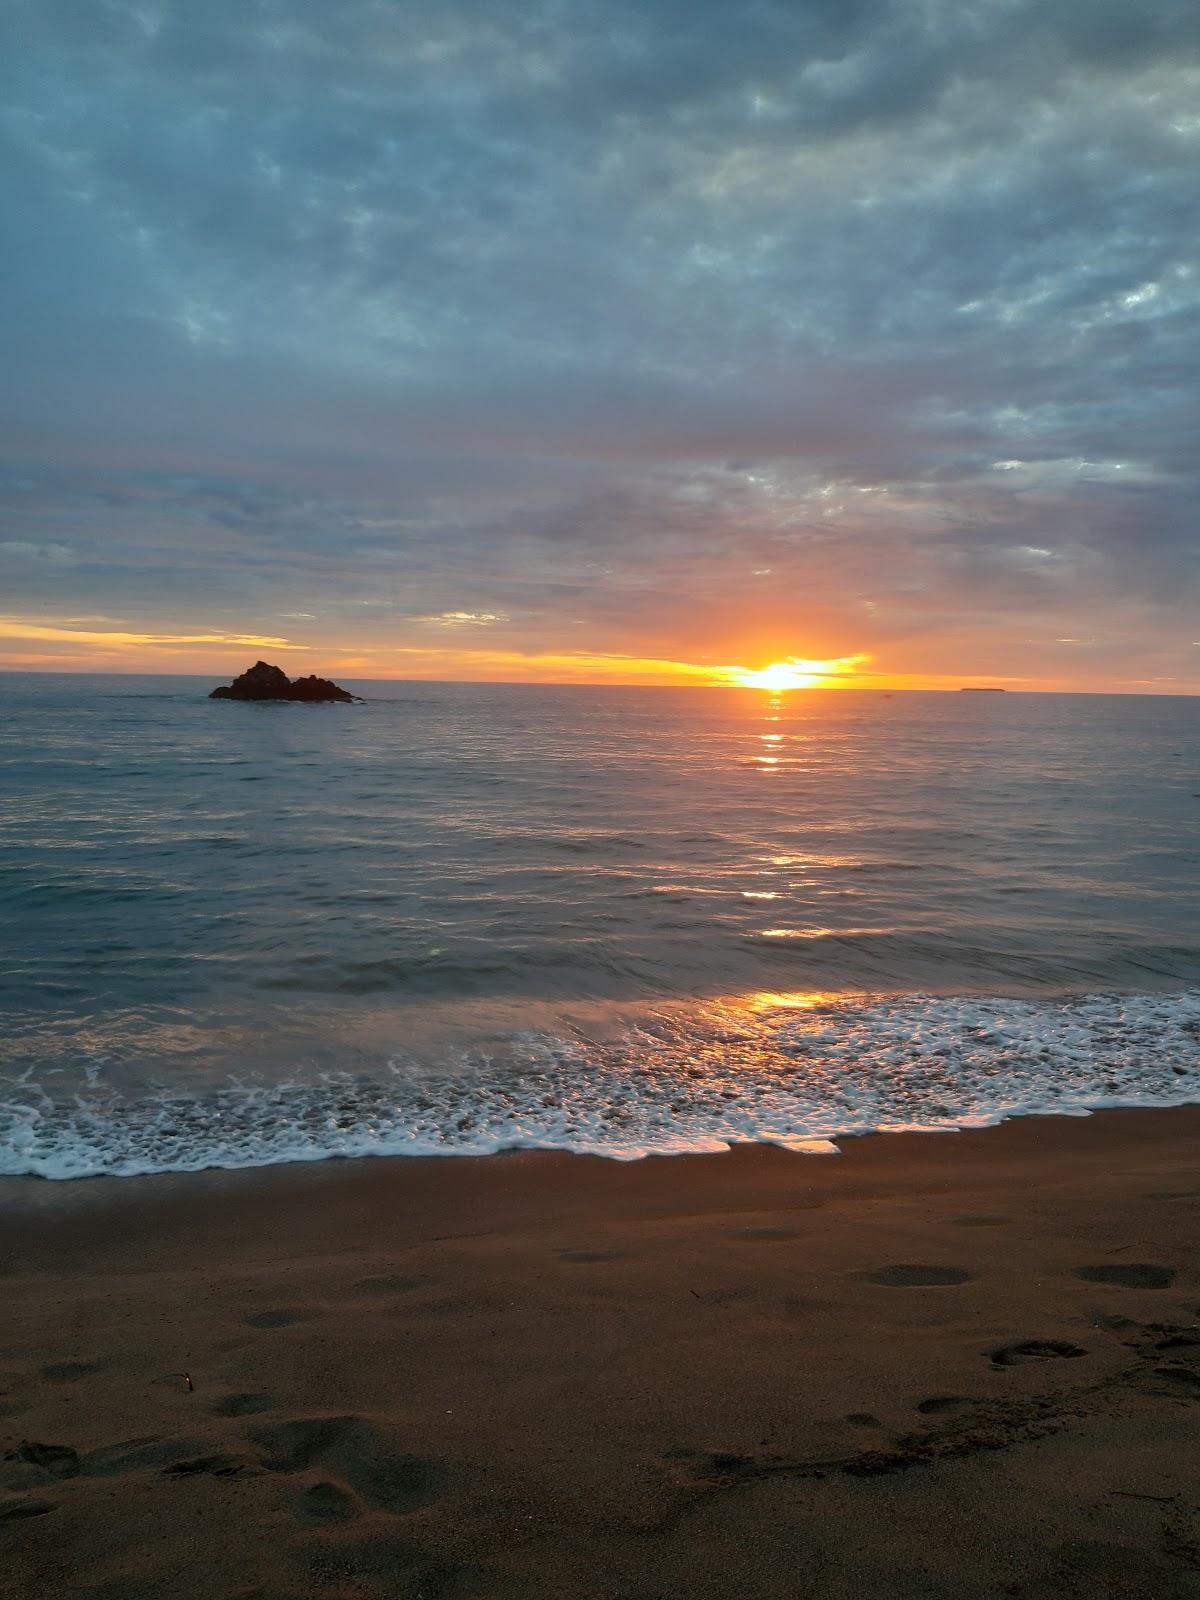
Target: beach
point(931, 1365)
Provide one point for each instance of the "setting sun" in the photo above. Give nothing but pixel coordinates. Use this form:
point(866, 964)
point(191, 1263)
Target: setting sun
point(795, 673)
point(779, 675)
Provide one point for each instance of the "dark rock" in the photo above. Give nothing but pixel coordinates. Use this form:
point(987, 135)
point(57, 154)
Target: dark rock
point(260, 682)
point(265, 682)
point(314, 688)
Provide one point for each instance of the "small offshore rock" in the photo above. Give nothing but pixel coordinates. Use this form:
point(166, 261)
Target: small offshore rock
point(265, 682)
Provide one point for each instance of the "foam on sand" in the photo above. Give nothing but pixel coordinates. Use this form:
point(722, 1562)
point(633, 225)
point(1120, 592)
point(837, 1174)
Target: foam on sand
point(778, 1069)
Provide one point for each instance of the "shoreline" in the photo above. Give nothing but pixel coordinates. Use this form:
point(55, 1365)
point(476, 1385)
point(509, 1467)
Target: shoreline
point(17, 1190)
point(539, 1374)
point(735, 1068)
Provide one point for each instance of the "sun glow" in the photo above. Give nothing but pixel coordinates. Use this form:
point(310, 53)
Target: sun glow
point(120, 644)
point(778, 676)
point(795, 673)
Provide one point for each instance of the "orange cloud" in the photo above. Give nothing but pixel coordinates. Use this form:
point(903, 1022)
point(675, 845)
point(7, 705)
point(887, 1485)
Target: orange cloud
point(80, 644)
point(575, 666)
point(22, 628)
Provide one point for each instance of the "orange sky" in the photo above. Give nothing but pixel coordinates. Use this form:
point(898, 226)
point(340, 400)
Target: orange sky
point(94, 644)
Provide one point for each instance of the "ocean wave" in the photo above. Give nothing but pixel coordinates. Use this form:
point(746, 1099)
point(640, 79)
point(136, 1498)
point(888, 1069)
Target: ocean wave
point(795, 1070)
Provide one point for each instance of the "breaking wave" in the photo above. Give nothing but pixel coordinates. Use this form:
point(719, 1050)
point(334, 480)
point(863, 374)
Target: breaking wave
point(797, 1071)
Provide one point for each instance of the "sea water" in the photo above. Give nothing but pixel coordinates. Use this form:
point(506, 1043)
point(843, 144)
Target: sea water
point(461, 918)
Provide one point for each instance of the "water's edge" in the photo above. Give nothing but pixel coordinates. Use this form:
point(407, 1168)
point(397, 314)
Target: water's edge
point(799, 1072)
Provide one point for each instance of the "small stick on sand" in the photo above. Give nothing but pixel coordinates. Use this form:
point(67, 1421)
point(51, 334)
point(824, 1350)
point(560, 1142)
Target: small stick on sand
point(1133, 1494)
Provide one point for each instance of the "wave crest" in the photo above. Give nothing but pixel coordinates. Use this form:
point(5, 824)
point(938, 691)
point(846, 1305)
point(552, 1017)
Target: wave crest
point(790, 1070)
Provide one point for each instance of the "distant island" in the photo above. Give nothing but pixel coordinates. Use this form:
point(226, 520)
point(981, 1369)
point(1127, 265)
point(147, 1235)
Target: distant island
point(265, 682)
point(981, 688)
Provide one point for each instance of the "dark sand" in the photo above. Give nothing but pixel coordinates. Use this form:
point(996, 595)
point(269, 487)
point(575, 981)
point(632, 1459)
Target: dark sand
point(937, 1366)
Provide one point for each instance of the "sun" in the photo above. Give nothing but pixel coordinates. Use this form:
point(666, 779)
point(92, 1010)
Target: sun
point(779, 675)
point(795, 673)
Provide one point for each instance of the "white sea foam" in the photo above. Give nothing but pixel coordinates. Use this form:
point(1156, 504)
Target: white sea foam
point(777, 1069)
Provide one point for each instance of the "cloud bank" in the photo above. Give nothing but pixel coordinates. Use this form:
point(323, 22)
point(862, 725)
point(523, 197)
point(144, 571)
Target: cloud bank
point(422, 337)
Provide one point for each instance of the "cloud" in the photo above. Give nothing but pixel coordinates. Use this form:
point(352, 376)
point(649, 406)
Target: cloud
point(578, 321)
point(30, 550)
point(464, 619)
point(119, 639)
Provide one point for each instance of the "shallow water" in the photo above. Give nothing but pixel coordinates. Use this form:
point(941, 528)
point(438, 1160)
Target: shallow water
point(462, 917)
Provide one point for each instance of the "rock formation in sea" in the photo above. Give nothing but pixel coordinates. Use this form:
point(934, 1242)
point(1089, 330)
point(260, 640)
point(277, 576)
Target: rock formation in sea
point(265, 682)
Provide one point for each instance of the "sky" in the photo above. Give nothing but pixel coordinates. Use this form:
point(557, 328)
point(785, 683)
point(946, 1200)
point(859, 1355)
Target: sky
point(591, 340)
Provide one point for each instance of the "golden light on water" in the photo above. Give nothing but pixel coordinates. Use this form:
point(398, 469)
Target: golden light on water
point(792, 1000)
point(795, 673)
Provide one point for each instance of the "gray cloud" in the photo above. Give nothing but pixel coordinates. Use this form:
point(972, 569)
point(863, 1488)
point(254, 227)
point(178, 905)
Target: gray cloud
point(586, 316)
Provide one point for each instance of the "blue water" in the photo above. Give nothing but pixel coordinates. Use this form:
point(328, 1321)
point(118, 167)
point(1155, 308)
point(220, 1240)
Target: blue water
point(463, 917)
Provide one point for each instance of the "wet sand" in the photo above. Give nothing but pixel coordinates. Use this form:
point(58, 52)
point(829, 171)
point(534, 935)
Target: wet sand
point(935, 1365)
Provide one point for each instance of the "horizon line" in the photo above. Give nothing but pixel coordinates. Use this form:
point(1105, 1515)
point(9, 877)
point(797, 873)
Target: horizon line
point(840, 686)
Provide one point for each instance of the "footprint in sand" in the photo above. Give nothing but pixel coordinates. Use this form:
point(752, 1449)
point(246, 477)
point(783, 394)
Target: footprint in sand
point(323, 1502)
point(1114, 1323)
point(59, 1460)
point(243, 1405)
point(70, 1371)
point(356, 1452)
point(1183, 1379)
point(140, 1455)
point(1129, 1274)
point(204, 1466)
point(281, 1317)
point(584, 1257)
point(13, 1510)
point(938, 1404)
point(1011, 1355)
point(1174, 1338)
point(862, 1419)
point(910, 1275)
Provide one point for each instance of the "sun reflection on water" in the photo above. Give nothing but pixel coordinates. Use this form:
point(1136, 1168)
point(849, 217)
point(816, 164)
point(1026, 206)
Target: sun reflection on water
point(796, 1000)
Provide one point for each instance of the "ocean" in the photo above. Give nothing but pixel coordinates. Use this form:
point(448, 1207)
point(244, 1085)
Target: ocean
point(463, 918)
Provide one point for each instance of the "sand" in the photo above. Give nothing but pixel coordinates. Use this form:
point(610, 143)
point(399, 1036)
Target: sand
point(955, 1365)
